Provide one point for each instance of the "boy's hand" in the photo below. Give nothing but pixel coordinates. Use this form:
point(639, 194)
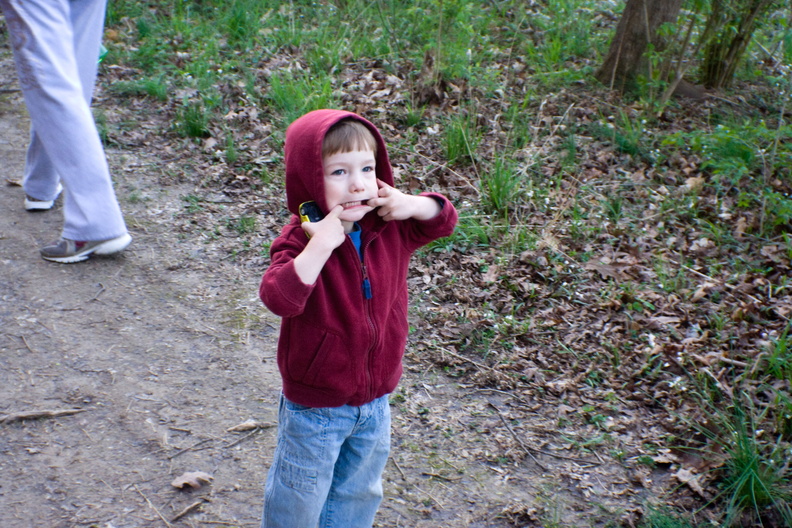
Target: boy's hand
point(325, 235)
point(329, 231)
point(395, 205)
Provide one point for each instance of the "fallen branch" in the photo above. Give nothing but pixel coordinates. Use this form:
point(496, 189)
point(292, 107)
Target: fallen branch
point(201, 442)
point(713, 279)
point(34, 415)
point(240, 440)
point(169, 525)
point(530, 451)
point(466, 360)
point(440, 477)
point(188, 509)
point(517, 438)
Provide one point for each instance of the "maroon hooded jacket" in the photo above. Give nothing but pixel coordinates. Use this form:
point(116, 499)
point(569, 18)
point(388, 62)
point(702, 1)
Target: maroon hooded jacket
point(337, 346)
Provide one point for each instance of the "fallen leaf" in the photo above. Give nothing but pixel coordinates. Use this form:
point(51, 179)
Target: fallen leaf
point(663, 320)
point(702, 291)
point(687, 477)
point(606, 270)
point(769, 251)
point(695, 183)
point(249, 425)
point(194, 479)
point(742, 225)
point(491, 275)
point(209, 144)
point(701, 244)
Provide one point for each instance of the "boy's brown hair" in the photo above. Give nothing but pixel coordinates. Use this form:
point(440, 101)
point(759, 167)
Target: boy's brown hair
point(348, 135)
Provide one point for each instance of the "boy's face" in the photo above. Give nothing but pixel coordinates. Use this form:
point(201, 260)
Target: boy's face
point(350, 179)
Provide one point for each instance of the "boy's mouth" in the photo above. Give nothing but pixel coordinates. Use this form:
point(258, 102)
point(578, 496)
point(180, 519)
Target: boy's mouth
point(350, 205)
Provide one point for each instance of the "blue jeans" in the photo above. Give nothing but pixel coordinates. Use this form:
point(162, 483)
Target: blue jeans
point(328, 464)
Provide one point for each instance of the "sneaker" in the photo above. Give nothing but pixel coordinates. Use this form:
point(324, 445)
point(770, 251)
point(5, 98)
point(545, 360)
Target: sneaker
point(33, 204)
point(68, 251)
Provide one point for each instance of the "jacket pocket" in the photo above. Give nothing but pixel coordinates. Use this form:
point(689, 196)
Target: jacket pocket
point(393, 343)
point(318, 358)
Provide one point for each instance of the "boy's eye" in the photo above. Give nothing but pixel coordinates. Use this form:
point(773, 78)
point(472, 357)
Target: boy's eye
point(368, 169)
point(337, 172)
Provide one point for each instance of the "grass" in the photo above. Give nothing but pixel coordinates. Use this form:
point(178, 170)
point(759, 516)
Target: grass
point(776, 361)
point(295, 93)
point(754, 480)
point(660, 230)
point(658, 516)
point(753, 477)
point(460, 140)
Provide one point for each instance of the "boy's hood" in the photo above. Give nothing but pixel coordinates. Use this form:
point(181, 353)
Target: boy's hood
point(304, 172)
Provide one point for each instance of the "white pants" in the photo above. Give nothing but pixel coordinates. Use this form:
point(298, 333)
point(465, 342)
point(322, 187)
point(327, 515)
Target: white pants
point(56, 48)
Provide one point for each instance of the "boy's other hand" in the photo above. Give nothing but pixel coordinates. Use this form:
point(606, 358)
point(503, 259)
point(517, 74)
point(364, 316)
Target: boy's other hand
point(392, 203)
point(395, 205)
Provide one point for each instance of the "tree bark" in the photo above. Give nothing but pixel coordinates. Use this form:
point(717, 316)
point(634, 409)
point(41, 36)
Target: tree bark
point(726, 47)
point(635, 31)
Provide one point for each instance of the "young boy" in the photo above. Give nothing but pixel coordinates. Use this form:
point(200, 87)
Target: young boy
point(340, 287)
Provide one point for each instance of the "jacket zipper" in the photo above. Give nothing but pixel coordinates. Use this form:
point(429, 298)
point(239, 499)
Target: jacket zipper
point(367, 295)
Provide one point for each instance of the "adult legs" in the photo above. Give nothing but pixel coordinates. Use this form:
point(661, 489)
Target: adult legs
point(56, 47)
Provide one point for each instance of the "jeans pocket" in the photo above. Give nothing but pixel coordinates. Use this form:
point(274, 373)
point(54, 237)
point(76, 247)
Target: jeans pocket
point(297, 477)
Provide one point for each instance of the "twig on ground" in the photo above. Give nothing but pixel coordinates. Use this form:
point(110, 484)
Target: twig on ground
point(439, 504)
point(189, 448)
point(34, 415)
point(540, 451)
point(441, 165)
point(454, 354)
point(505, 393)
point(223, 523)
point(101, 289)
point(519, 441)
point(26, 344)
point(718, 383)
point(188, 509)
point(441, 477)
point(240, 440)
point(396, 464)
point(169, 525)
point(727, 285)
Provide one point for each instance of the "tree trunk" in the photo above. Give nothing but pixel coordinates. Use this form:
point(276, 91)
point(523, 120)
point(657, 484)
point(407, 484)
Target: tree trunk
point(636, 30)
point(729, 38)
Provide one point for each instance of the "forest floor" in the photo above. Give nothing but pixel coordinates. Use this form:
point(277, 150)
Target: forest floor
point(120, 375)
point(136, 368)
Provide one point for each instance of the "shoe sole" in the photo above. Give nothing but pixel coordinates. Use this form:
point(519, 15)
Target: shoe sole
point(42, 205)
point(113, 246)
point(38, 206)
point(105, 248)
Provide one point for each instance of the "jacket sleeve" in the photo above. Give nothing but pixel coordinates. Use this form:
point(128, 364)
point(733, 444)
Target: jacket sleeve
point(281, 289)
point(421, 232)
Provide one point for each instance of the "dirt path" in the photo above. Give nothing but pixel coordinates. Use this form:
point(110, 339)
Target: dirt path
point(144, 345)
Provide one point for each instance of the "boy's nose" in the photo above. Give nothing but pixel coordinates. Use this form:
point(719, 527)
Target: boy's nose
point(356, 182)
